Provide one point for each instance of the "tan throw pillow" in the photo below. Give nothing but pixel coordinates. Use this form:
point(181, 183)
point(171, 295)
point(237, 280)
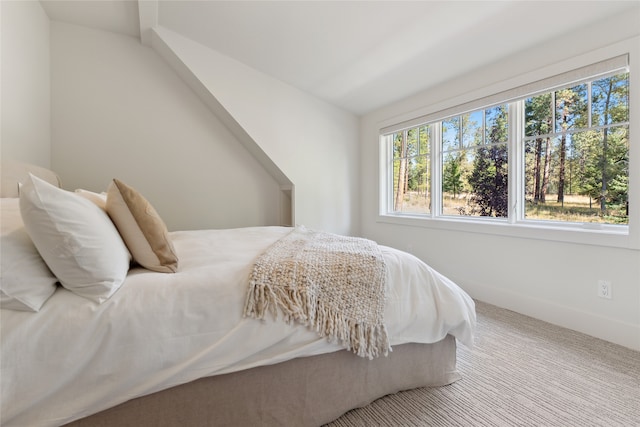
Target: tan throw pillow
point(100, 199)
point(141, 228)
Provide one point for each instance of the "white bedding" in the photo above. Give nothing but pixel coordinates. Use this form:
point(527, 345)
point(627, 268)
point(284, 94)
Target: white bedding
point(74, 358)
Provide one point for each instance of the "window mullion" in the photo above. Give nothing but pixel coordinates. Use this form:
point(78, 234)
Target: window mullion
point(386, 181)
point(516, 162)
point(436, 169)
point(589, 105)
point(553, 113)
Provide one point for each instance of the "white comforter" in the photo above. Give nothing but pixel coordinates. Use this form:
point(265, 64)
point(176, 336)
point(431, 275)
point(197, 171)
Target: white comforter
point(75, 358)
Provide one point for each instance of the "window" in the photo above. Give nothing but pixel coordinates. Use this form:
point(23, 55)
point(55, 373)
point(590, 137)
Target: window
point(555, 154)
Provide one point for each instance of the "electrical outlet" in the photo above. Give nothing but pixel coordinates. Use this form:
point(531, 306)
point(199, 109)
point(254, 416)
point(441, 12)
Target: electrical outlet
point(605, 289)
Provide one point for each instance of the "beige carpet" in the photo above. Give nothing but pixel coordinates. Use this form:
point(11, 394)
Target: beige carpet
point(521, 372)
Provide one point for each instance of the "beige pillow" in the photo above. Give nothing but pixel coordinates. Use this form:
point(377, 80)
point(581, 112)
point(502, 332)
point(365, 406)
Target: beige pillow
point(100, 199)
point(141, 228)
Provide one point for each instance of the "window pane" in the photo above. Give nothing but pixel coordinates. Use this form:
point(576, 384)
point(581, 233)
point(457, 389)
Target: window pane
point(425, 140)
point(399, 146)
point(537, 168)
point(411, 191)
point(588, 184)
point(610, 102)
point(497, 128)
point(412, 142)
point(538, 117)
point(489, 181)
point(474, 182)
point(451, 134)
point(472, 129)
point(454, 191)
point(571, 108)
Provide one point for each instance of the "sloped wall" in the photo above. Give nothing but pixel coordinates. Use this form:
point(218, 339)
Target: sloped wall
point(313, 143)
point(119, 111)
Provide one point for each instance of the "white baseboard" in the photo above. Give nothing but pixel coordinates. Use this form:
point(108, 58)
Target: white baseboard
point(612, 330)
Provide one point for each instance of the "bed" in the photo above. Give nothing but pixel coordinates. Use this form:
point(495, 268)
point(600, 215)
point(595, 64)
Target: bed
point(178, 348)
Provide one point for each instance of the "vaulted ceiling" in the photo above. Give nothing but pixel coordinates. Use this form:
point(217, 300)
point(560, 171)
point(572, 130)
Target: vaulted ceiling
point(358, 55)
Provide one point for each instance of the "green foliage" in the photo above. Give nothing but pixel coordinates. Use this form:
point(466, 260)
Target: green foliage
point(538, 115)
point(452, 175)
point(489, 181)
point(489, 176)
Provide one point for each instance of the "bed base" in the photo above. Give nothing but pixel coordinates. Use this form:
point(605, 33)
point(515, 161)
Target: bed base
point(309, 391)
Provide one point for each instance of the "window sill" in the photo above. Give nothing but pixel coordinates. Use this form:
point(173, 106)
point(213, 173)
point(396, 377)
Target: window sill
point(588, 234)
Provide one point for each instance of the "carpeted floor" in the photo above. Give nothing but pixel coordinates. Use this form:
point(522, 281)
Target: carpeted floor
point(521, 372)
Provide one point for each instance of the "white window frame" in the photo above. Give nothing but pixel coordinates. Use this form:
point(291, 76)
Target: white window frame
point(515, 225)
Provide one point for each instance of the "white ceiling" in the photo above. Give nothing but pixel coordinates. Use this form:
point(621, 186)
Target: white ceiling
point(358, 55)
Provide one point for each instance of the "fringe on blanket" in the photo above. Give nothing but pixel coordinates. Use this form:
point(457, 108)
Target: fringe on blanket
point(333, 284)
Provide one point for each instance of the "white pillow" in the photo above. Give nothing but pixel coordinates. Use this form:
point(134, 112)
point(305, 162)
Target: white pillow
point(76, 239)
point(26, 282)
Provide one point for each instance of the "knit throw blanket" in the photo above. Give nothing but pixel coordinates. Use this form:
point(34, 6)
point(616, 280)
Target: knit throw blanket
point(331, 283)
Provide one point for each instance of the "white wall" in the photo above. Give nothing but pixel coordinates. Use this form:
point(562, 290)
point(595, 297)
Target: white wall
point(119, 111)
point(550, 280)
point(25, 84)
point(312, 142)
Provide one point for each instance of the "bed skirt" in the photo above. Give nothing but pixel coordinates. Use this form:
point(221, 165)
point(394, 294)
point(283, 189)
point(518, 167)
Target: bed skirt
point(308, 391)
